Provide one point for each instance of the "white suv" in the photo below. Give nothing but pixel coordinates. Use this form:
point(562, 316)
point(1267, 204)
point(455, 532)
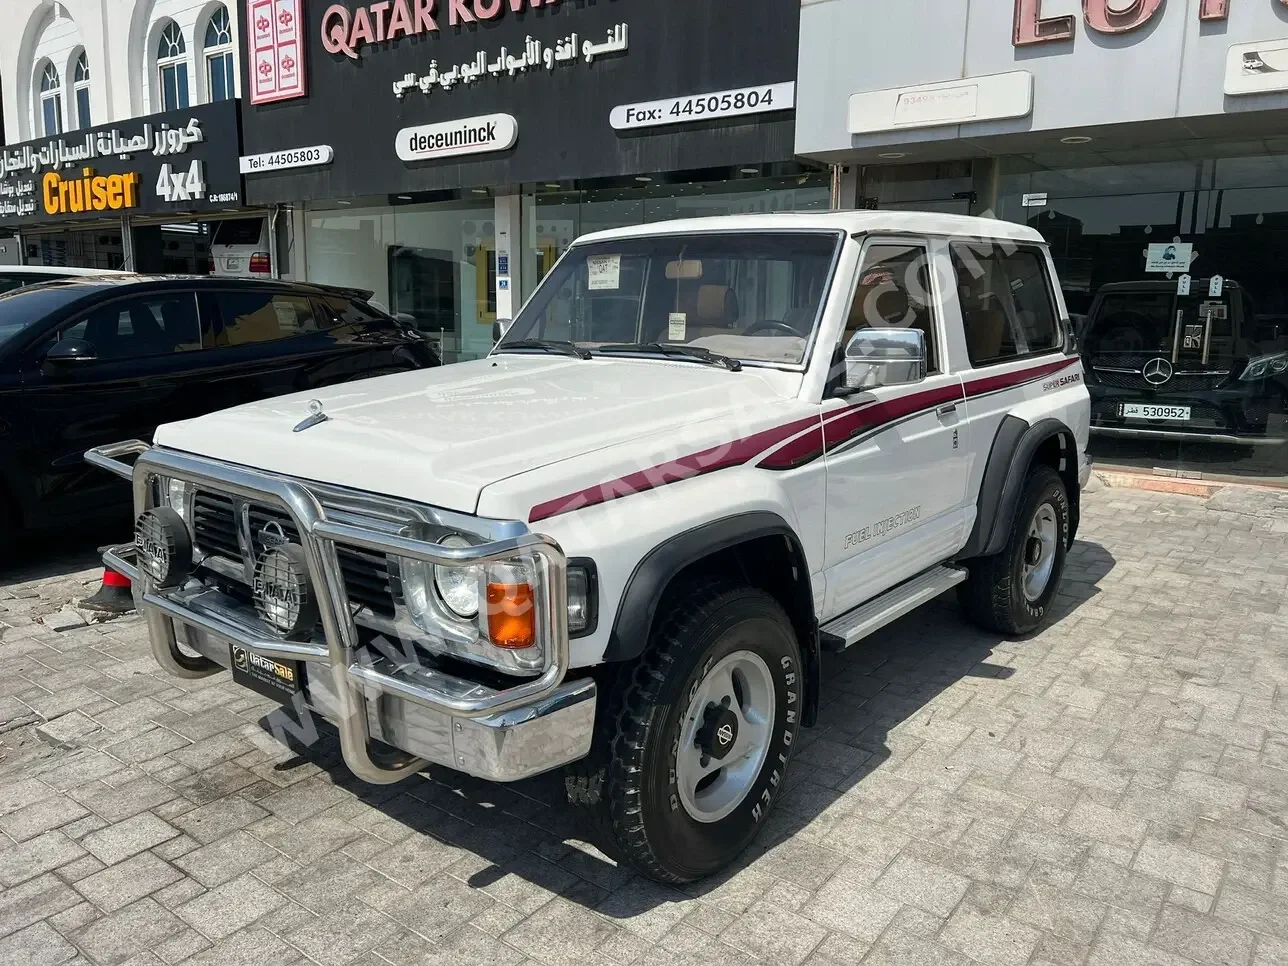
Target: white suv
point(705, 454)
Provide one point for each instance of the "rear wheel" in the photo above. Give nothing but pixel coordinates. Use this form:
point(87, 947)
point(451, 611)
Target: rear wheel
point(1011, 592)
point(697, 737)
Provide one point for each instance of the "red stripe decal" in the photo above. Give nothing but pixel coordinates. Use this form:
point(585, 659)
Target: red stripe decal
point(836, 428)
point(977, 387)
point(734, 453)
point(851, 422)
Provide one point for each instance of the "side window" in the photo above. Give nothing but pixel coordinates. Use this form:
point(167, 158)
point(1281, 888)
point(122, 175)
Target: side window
point(254, 316)
point(894, 293)
point(1006, 302)
point(138, 327)
point(10, 282)
point(342, 311)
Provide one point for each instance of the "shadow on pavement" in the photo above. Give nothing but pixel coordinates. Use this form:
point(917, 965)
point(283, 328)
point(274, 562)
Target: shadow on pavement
point(525, 829)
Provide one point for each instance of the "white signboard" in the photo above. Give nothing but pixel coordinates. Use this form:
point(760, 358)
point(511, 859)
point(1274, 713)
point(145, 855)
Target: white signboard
point(697, 107)
point(988, 97)
point(467, 135)
point(290, 158)
point(1257, 68)
point(1037, 199)
point(1168, 257)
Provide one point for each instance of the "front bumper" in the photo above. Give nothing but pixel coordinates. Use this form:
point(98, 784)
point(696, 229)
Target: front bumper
point(427, 715)
point(1235, 416)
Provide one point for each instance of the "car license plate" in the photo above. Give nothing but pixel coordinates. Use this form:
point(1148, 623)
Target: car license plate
point(232, 264)
point(1177, 414)
point(270, 676)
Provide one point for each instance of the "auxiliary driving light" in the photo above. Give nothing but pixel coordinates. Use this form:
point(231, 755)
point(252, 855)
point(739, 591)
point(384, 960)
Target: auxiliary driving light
point(283, 598)
point(163, 545)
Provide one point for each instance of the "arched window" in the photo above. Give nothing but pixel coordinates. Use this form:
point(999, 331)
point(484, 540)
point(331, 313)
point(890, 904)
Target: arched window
point(80, 90)
point(220, 63)
point(172, 68)
point(51, 100)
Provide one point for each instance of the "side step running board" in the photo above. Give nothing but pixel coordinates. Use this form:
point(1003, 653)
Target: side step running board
point(857, 624)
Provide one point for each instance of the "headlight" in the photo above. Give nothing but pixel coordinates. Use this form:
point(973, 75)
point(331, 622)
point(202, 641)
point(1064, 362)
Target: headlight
point(458, 587)
point(163, 547)
point(1261, 366)
point(177, 494)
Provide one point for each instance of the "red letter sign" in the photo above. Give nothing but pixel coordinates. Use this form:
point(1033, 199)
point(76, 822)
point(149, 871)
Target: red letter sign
point(1030, 28)
point(1100, 16)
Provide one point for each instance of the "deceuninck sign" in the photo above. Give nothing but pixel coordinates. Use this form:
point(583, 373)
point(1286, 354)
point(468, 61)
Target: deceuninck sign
point(468, 135)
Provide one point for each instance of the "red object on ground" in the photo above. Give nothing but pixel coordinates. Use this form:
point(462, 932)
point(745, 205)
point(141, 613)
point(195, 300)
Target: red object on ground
point(113, 596)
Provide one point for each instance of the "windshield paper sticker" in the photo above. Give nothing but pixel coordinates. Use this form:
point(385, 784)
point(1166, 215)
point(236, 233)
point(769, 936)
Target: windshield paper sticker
point(603, 272)
point(676, 326)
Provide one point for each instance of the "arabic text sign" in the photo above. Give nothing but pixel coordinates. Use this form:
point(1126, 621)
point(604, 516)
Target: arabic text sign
point(1168, 257)
point(535, 55)
point(697, 107)
point(469, 135)
point(277, 50)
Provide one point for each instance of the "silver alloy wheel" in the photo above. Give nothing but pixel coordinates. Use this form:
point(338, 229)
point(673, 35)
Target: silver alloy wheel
point(1039, 552)
point(724, 737)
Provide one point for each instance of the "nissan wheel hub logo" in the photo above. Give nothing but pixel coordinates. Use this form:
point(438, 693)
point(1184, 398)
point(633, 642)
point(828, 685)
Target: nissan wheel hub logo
point(1157, 371)
point(724, 734)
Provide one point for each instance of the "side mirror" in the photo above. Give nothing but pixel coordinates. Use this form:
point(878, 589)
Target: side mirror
point(884, 357)
point(499, 328)
point(68, 354)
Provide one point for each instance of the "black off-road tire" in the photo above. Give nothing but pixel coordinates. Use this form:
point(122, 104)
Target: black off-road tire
point(993, 595)
point(626, 789)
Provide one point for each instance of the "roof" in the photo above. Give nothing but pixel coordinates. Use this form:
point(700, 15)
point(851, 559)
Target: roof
point(57, 271)
point(89, 283)
point(850, 222)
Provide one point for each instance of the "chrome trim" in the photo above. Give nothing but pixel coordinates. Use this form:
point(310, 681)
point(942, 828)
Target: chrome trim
point(350, 680)
point(1177, 436)
point(1124, 372)
point(105, 457)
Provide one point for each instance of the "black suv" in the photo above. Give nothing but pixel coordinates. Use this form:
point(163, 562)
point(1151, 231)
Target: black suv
point(1183, 367)
point(94, 360)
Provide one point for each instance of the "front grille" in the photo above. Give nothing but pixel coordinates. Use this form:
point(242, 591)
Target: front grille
point(366, 574)
point(1178, 383)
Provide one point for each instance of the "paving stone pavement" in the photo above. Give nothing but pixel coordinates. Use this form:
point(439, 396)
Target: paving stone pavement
point(1112, 791)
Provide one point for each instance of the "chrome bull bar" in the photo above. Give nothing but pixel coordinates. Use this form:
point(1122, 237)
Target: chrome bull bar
point(319, 536)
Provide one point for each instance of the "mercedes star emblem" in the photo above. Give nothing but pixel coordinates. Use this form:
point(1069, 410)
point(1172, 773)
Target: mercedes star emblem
point(1157, 371)
point(725, 734)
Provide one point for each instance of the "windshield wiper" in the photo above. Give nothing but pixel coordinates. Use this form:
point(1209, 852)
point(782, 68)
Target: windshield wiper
point(679, 351)
point(549, 345)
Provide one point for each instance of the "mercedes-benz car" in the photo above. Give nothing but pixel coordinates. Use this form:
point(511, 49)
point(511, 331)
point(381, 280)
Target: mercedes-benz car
point(1166, 366)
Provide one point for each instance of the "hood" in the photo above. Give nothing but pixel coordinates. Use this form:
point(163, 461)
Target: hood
point(439, 436)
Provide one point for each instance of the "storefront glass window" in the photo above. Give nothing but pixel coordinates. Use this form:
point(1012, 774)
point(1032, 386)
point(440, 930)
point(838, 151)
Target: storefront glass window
point(431, 264)
point(1189, 378)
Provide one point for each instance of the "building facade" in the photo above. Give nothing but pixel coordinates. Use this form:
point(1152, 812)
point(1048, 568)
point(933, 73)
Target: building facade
point(444, 155)
point(75, 70)
point(1145, 140)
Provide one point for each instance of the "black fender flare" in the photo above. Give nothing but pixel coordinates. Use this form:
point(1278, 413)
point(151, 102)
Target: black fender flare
point(637, 608)
point(1014, 446)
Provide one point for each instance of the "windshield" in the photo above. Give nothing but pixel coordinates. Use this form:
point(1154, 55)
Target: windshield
point(1129, 328)
point(27, 306)
point(752, 296)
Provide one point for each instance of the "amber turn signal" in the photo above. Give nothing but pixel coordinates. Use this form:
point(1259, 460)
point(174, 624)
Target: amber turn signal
point(511, 616)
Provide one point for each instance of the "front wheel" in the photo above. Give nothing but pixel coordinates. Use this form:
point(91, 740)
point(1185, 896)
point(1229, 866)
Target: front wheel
point(701, 734)
point(1011, 591)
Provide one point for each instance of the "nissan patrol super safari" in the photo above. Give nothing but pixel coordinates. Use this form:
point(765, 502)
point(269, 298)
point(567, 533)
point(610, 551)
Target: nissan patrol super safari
point(704, 453)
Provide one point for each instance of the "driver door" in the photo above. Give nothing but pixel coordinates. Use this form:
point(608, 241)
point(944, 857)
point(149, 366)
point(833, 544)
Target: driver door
point(896, 454)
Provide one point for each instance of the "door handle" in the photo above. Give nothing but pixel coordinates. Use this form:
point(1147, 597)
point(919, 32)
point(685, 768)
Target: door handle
point(947, 410)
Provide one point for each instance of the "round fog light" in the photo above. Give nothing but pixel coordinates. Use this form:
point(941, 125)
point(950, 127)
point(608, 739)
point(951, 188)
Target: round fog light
point(163, 546)
point(283, 598)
